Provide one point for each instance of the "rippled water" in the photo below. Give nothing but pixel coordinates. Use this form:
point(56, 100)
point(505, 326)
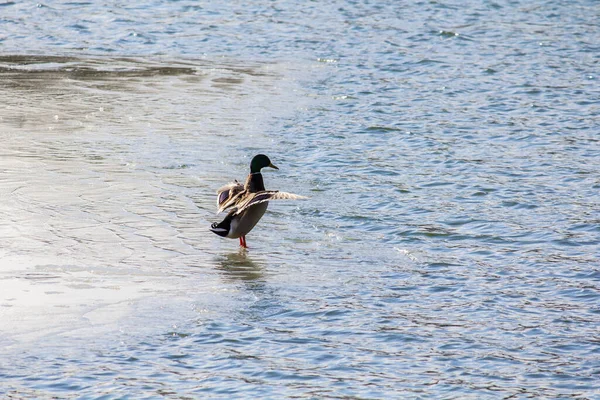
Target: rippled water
point(450, 247)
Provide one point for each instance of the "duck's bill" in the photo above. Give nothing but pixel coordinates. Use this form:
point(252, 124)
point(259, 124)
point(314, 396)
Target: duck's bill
point(272, 166)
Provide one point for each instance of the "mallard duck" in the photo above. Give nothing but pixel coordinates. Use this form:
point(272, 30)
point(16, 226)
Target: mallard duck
point(247, 202)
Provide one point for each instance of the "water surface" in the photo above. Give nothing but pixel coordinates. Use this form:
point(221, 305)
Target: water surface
point(449, 249)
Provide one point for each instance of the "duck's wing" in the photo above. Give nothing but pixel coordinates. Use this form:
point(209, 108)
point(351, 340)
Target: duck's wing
point(266, 195)
point(227, 195)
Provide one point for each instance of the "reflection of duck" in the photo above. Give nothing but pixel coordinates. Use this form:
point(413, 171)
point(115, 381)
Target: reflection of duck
point(248, 203)
point(238, 266)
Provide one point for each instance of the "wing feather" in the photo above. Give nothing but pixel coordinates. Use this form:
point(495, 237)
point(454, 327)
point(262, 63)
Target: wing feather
point(266, 195)
point(226, 194)
point(287, 196)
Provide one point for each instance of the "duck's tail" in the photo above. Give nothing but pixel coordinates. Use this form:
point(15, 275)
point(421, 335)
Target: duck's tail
point(222, 228)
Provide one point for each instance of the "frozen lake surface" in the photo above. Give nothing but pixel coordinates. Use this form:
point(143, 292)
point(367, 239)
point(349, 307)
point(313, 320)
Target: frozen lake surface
point(449, 248)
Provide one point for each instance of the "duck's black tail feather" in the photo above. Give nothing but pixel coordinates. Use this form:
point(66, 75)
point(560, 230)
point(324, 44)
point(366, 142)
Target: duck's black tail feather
point(222, 228)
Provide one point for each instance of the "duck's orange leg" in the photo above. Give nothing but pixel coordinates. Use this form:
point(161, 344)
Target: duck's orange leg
point(243, 241)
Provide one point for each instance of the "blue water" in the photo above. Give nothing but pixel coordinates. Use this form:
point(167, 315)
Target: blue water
point(449, 249)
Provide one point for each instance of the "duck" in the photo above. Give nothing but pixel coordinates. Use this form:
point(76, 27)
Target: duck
point(246, 203)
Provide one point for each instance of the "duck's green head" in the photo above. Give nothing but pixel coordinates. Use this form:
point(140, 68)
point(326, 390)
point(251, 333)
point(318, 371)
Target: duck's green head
point(259, 162)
